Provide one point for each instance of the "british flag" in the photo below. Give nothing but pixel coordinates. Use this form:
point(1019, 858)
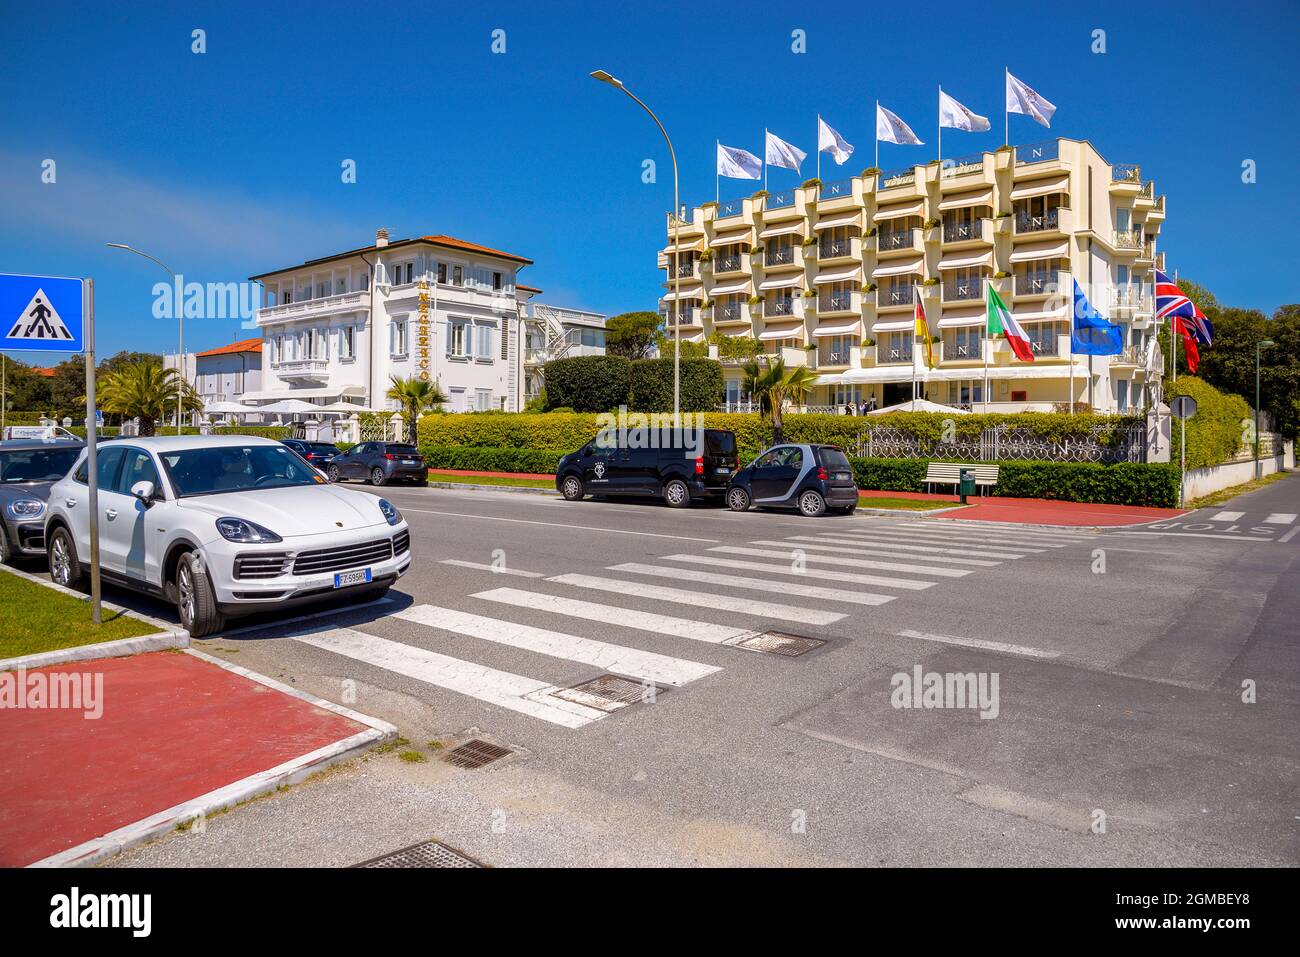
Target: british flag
point(1173, 303)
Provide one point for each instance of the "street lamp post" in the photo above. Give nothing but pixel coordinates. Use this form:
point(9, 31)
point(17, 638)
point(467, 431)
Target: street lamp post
point(180, 327)
point(1259, 346)
point(604, 77)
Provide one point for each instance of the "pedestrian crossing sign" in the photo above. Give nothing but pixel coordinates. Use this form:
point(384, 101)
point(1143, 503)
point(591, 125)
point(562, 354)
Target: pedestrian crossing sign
point(41, 314)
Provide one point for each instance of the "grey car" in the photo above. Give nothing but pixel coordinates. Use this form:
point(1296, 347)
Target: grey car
point(28, 468)
point(379, 463)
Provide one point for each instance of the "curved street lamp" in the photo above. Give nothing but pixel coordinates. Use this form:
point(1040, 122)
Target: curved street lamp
point(180, 326)
point(604, 77)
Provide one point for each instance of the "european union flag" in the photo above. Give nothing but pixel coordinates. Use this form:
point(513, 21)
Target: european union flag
point(1090, 333)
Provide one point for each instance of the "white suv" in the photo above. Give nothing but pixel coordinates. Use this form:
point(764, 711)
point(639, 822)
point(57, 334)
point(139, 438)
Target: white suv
point(224, 526)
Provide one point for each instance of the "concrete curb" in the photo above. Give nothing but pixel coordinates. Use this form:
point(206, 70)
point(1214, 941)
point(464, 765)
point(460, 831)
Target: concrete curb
point(290, 772)
point(169, 636)
point(494, 488)
point(918, 512)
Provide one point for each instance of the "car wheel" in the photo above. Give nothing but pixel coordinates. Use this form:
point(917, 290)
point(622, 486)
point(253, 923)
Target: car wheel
point(376, 476)
point(738, 500)
point(571, 488)
point(812, 504)
point(195, 602)
point(676, 494)
point(4, 547)
point(333, 473)
point(65, 568)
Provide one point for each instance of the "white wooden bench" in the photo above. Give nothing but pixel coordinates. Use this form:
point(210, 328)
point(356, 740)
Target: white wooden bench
point(949, 473)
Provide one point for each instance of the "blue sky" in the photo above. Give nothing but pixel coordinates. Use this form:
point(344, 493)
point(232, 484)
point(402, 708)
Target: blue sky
point(227, 164)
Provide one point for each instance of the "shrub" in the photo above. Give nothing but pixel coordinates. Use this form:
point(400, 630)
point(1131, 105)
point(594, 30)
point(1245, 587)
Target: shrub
point(702, 388)
point(487, 459)
point(588, 383)
point(1218, 430)
point(265, 431)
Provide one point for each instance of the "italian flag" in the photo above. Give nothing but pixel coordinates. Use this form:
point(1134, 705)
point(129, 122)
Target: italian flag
point(1002, 323)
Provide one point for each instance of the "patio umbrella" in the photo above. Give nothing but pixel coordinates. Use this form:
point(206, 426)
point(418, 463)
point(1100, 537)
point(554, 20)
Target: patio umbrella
point(228, 408)
point(289, 407)
point(920, 405)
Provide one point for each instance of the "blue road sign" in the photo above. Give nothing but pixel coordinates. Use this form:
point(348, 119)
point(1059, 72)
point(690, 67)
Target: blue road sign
point(42, 314)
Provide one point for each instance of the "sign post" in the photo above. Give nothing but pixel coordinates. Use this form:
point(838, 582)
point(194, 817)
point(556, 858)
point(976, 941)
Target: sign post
point(56, 314)
point(1183, 408)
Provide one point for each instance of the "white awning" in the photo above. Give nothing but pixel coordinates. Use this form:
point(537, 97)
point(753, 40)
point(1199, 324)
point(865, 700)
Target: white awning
point(898, 212)
point(1056, 249)
point(781, 282)
point(729, 237)
point(1042, 187)
point(900, 267)
point(839, 275)
point(962, 200)
point(686, 245)
point(962, 318)
point(1057, 315)
point(327, 392)
point(785, 229)
point(686, 294)
point(844, 219)
point(783, 332)
point(902, 373)
point(894, 325)
point(698, 337)
point(729, 288)
point(964, 260)
point(852, 328)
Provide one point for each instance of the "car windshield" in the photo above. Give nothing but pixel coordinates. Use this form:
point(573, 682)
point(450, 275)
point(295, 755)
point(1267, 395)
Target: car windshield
point(36, 465)
point(236, 468)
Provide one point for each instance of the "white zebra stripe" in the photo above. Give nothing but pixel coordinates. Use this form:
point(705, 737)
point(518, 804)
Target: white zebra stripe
point(613, 615)
point(908, 583)
point(954, 538)
point(645, 665)
point(790, 551)
point(989, 531)
point(746, 606)
point(809, 541)
point(500, 688)
point(907, 550)
point(1008, 528)
point(753, 584)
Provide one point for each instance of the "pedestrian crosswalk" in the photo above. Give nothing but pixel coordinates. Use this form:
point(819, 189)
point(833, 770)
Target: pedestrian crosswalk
point(674, 619)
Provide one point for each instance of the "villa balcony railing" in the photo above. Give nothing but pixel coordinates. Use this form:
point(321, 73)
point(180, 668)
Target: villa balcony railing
point(835, 302)
point(962, 164)
point(1127, 239)
point(1048, 283)
point(1126, 173)
point(886, 355)
point(896, 177)
point(1129, 355)
point(896, 239)
point(1148, 249)
point(780, 200)
point(340, 302)
point(963, 290)
point(778, 307)
point(732, 312)
point(836, 190)
point(954, 351)
point(730, 207)
point(727, 264)
point(686, 270)
point(832, 249)
point(962, 230)
point(1129, 297)
point(297, 367)
point(1148, 190)
point(780, 256)
point(895, 296)
point(1025, 223)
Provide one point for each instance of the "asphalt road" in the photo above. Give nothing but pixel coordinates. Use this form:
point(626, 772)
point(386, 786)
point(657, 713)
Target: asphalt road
point(1118, 734)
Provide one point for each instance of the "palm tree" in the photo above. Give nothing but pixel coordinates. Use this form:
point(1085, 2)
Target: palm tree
point(145, 391)
point(774, 385)
point(416, 396)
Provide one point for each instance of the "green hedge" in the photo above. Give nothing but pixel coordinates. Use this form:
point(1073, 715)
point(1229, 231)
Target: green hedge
point(1154, 485)
point(702, 389)
point(1218, 430)
point(588, 383)
point(266, 431)
point(483, 459)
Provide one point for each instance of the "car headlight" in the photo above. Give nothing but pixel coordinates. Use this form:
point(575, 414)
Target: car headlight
point(245, 532)
point(390, 511)
point(23, 508)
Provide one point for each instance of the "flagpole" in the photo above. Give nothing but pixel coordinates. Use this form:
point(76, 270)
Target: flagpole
point(940, 156)
point(985, 341)
point(765, 159)
point(717, 178)
point(875, 125)
point(1173, 339)
point(819, 146)
point(1006, 114)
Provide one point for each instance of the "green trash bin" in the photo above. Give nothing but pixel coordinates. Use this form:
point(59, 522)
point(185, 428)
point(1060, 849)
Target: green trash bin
point(967, 483)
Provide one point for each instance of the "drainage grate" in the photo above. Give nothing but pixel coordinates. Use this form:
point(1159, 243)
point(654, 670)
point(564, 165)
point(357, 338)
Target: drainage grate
point(476, 753)
point(607, 693)
point(779, 643)
point(428, 854)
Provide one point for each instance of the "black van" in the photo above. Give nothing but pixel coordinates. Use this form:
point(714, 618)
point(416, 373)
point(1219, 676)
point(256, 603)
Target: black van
point(680, 469)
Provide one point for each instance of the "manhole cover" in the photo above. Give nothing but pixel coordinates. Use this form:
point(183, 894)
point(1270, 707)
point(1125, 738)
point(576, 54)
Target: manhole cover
point(779, 643)
point(476, 753)
point(428, 854)
point(606, 693)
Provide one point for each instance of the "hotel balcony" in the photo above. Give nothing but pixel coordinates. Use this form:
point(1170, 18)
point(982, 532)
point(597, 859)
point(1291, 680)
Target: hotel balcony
point(836, 303)
point(844, 358)
point(838, 194)
point(963, 290)
point(829, 250)
point(781, 307)
point(1054, 222)
point(965, 172)
point(975, 232)
point(1125, 179)
point(1146, 197)
point(726, 265)
point(782, 258)
point(315, 308)
point(896, 355)
point(688, 271)
point(686, 316)
point(900, 184)
point(1038, 285)
point(1128, 356)
point(1127, 241)
point(293, 369)
point(899, 241)
point(895, 297)
point(1129, 301)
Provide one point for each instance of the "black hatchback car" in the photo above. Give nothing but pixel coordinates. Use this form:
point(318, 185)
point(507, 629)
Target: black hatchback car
point(379, 463)
point(682, 468)
point(319, 454)
point(815, 479)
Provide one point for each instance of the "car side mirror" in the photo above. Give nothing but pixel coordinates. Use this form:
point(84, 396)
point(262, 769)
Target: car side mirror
point(144, 491)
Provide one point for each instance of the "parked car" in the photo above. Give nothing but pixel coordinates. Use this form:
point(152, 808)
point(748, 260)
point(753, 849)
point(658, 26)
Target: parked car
point(319, 454)
point(224, 526)
point(379, 463)
point(28, 469)
point(814, 479)
point(38, 433)
point(681, 470)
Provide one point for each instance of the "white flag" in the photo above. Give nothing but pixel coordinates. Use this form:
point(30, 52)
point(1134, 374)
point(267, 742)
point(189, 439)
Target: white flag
point(1022, 99)
point(955, 116)
point(738, 163)
point(781, 153)
point(891, 129)
point(831, 142)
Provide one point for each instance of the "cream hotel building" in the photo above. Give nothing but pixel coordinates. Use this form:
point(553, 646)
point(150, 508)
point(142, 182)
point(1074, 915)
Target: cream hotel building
point(825, 276)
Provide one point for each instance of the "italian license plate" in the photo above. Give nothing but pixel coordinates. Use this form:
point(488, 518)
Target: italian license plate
point(358, 577)
point(724, 471)
point(409, 462)
point(841, 476)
